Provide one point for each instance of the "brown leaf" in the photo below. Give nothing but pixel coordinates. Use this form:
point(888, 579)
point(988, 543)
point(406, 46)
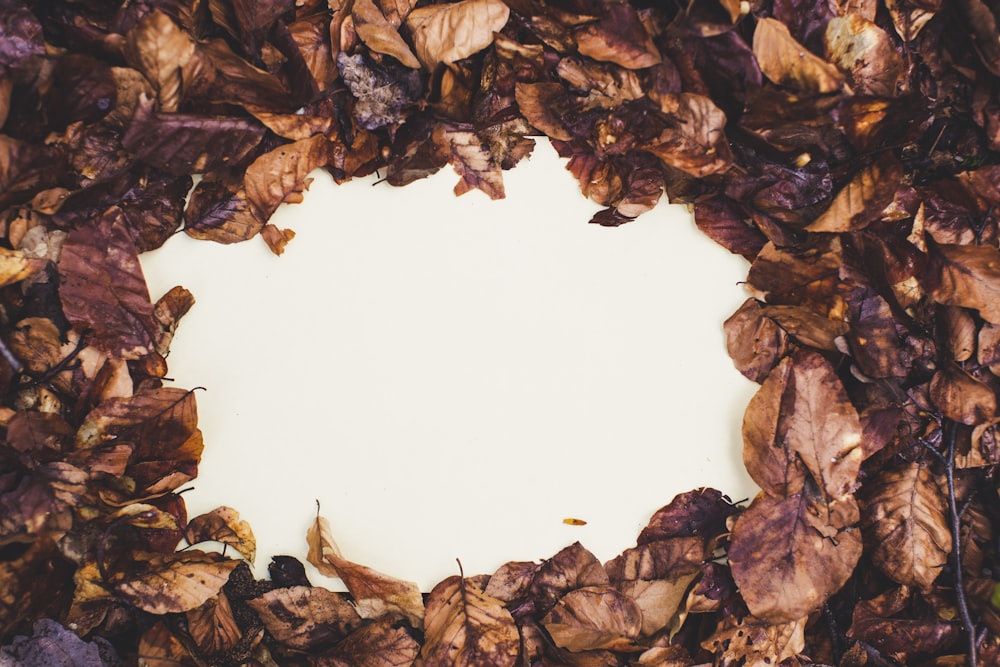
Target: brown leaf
point(174, 583)
point(821, 425)
point(103, 290)
point(275, 238)
point(472, 159)
point(306, 618)
point(905, 523)
point(449, 32)
point(381, 643)
point(375, 594)
point(865, 53)
point(874, 341)
point(756, 642)
point(789, 555)
point(768, 462)
point(168, 311)
point(594, 617)
point(540, 104)
point(755, 342)
point(465, 627)
point(15, 266)
point(988, 349)
point(159, 49)
point(159, 647)
point(379, 34)
point(212, 626)
point(787, 63)
point(696, 141)
point(966, 276)
point(223, 524)
point(807, 327)
point(961, 397)
point(618, 37)
point(701, 512)
point(573, 567)
point(863, 199)
point(511, 581)
point(958, 332)
point(608, 86)
point(882, 623)
point(806, 276)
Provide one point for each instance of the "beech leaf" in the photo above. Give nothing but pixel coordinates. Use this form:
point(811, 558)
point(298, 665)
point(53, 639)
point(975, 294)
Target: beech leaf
point(967, 276)
point(961, 397)
point(306, 618)
point(212, 625)
point(619, 37)
point(375, 594)
point(223, 524)
point(904, 519)
point(862, 200)
point(174, 583)
point(381, 643)
point(379, 34)
point(160, 49)
point(594, 617)
point(753, 641)
point(464, 627)
point(472, 159)
point(787, 63)
point(789, 555)
point(452, 31)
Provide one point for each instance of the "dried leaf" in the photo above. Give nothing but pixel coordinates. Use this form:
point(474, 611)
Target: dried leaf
point(754, 342)
point(696, 141)
point(212, 625)
point(701, 513)
point(382, 643)
point(863, 199)
point(787, 63)
point(573, 567)
point(15, 266)
point(966, 276)
point(865, 53)
point(449, 32)
point(618, 37)
point(789, 555)
point(375, 594)
point(466, 627)
point(174, 583)
point(472, 159)
point(904, 520)
point(753, 641)
point(807, 327)
point(381, 36)
point(594, 617)
point(306, 618)
point(52, 645)
point(159, 49)
point(961, 397)
point(223, 524)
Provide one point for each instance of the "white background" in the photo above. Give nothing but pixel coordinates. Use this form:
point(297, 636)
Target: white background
point(452, 377)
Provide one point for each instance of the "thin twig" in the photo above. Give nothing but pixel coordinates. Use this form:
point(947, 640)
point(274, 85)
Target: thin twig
point(956, 552)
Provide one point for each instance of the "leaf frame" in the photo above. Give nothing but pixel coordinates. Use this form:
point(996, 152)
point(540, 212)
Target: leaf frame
point(873, 243)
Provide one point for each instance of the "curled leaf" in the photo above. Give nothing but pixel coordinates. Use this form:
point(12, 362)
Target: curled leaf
point(787, 63)
point(448, 32)
point(465, 627)
point(223, 524)
point(174, 583)
point(306, 618)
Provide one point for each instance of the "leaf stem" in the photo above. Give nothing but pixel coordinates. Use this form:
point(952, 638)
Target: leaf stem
point(956, 552)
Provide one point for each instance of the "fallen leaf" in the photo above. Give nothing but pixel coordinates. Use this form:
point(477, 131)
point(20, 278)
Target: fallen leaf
point(866, 53)
point(212, 626)
point(756, 642)
point(594, 617)
point(452, 31)
point(573, 567)
point(787, 63)
point(903, 517)
point(618, 37)
point(465, 627)
point(160, 49)
point(789, 555)
point(472, 159)
point(306, 618)
point(174, 583)
point(961, 397)
point(381, 643)
point(224, 525)
point(379, 34)
point(966, 276)
point(863, 199)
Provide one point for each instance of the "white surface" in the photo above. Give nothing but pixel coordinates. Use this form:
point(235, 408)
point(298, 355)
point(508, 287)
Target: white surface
point(452, 377)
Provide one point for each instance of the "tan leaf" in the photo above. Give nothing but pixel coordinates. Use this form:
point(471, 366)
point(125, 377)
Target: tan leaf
point(275, 238)
point(908, 18)
point(967, 276)
point(174, 583)
point(988, 349)
point(159, 49)
point(281, 175)
point(822, 425)
point(787, 63)
point(540, 103)
point(306, 618)
point(696, 141)
point(381, 643)
point(472, 159)
point(381, 36)
point(212, 626)
point(665, 656)
point(789, 555)
point(449, 32)
point(755, 343)
point(618, 37)
point(511, 581)
point(15, 266)
point(768, 462)
point(807, 327)
point(573, 567)
point(961, 397)
point(375, 594)
point(863, 199)
point(594, 617)
point(659, 601)
point(159, 647)
point(754, 642)
point(464, 627)
point(223, 524)
point(958, 330)
point(866, 53)
point(904, 520)
point(607, 85)
point(168, 311)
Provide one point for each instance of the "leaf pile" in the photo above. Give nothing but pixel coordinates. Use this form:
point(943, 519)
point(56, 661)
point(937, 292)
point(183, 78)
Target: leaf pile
point(847, 148)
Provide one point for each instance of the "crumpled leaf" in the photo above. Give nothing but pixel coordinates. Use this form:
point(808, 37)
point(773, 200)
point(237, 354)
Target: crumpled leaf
point(592, 618)
point(382, 91)
point(375, 594)
point(961, 397)
point(753, 641)
point(695, 142)
point(379, 34)
point(174, 583)
point(160, 49)
point(212, 625)
point(865, 53)
point(755, 342)
point(904, 519)
point(789, 555)
point(15, 266)
point(52, 645)
point(465, 627)
point(882, 622)
point(862, 200)
point(381, 643)
point(787, 63)
point(618, 37)
point(967, 276)
point(448, 32)
point(223, 524)
point(769, 463)
point(306, 618)
point(573, 567)
point(701, 512)
point(20, 35)
point(472, 159)
point(103, 289)
point(807, 327)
